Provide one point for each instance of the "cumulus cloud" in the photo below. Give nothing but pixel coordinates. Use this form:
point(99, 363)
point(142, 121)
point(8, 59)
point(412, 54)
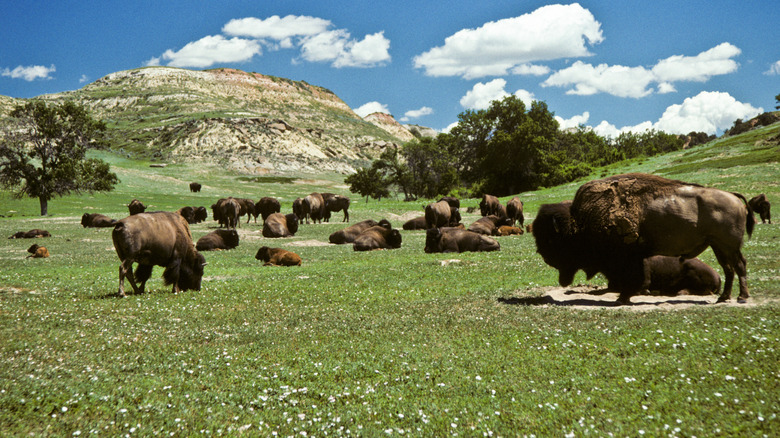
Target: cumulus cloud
point(210, 50)
point(550, 32)
point(371, 108)
point(574, 121)
point(774, 69)
point(622, 81)
point(531, 70)
point(337, 47)
point(415, 114)
point(276, 28)
point(30, 72)
point(482, 94)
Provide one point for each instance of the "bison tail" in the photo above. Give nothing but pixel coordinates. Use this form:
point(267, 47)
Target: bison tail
point(750, 221)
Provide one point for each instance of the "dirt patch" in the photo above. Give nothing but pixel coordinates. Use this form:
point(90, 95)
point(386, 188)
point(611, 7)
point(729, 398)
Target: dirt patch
point(409, 215)
point(308, 243)
point(586, 297)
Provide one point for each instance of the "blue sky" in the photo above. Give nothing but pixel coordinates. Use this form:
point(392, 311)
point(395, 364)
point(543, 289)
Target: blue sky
point(678, 66)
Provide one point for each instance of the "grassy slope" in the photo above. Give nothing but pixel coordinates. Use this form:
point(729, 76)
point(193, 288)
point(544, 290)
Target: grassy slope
point(367, 344)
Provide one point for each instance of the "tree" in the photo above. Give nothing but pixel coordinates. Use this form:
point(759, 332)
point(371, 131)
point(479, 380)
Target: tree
point(777, 99)
point(43, 153)
point(368, 182)
point(430, 167)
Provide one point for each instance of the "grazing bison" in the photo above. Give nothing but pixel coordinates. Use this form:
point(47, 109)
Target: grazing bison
point(334, 203)
point(32, 234)
point(488, 225)
point(448, 239)
point(673, 275)
point(218, 240)
point(417, 223)
point(163, 239)
point(96, 220)
point(280, 225)
point(514, 210)
point(193, 215)
point(613, 224)
point(277, 257)
point(195, 187)
point(508, 230)
point(227, 211)
point(761, 205)
point(453, 201)
point(440, 214)
point(246, 207)
point(297, 208)
point(348, 235)
point(313, 207)
point(490, 205)
point(381, 236)
point(135, 206)
point(267, 206)
point(37, 252)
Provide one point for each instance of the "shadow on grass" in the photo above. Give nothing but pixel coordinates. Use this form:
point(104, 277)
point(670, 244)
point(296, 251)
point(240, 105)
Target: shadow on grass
point(580, 301)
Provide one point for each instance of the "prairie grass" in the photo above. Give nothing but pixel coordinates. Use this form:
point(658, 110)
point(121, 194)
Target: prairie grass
point(366, 344)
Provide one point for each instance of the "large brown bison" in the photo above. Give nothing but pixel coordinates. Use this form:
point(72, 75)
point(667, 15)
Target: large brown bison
point(334, 203)
point(267, 206)
point(297, 208)
point(313, 207)
point(514, 210)
point(491, 205)
point(440, 214)
point(32, 234)
point(218, 240)
point(193, 215)
point(277, 257)
point(613, 224)
point(348, 235)
point(195, 187)
point(453, 201)
point(417, 223)
point(246, 207)
point(96, 220)
point(163, 239)
point(761, 205)
point(280, 225)
point(488, 225)
point(226, 212)
point(381, 236)
point(448, 239)
point(135, 206)
point(674, 275)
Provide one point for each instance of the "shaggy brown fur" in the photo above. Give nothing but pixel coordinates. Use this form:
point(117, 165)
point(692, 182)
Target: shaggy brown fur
point(449, 239)
point(441, 214)
point(378, 237)
point(37, 252)
point(349, 234)
point(280, 225)
point(508, 230)
point(277, 257)
point(32, 234)
point(761, 205)
point(488, 225)
point(514, 210)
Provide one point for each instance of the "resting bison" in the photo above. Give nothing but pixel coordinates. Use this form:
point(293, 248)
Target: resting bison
point(488, 225)
point(277, 257)
point(218, 240)
point(381, 236)
point(163, 239)
point(508, 230)
point(193, 215)
point(490, 205)
point(266, 206)
point(32, 234)
point(96, 220)
point(280, 225)
point(417, 223)
point(334, 203)
point(615, 223)
point(348, 235)
point(514, 211)
point(313, 207)
point(135, 206)
point(37, 252)
point(761, 205)
point(673, 275)
point(440, 214)
point(195, 187)
point(448, 239)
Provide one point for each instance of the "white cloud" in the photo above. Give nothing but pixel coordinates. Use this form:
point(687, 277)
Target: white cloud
point(83, 79)
point(415, 114)
point(30, 72)
point(210, 50)
point(706, 112)
point(371, 108)
point(276, 28)
point(617, 80)
point(526, 96)
point(531, 70)
point(574, 121)
point(480, 96)
point(774, 69)
point(336, 46)
point(152, 62)
point(550, 32)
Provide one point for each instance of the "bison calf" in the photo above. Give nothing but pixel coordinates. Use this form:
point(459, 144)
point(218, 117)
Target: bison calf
point(96, 220)
point(37, 251)
point(277, 257)
point(218, 240)
point(672, 275)
point(507, 230)
point(761, 205)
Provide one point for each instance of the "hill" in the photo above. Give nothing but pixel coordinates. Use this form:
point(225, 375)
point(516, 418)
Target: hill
point(246, 121)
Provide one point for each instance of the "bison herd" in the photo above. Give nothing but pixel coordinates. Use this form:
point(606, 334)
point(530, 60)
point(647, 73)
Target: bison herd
point(641, 232)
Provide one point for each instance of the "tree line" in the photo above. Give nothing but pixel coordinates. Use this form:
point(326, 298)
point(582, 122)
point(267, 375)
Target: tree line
point(502, 150)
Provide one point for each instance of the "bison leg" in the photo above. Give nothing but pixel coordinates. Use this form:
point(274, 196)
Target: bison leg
point(346, 216)
point(142, 274)
point(126, 270)
point(736, 263)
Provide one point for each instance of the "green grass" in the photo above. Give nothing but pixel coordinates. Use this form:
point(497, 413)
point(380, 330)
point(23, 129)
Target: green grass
point(370, 344)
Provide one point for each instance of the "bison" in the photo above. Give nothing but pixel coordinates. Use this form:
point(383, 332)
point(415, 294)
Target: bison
point(227, 211)
point(508, 230)
point(674, 275)
point(135, 206)
point(613, 224)
point(761, 205)
point(488, 225)
point(37, 252)
point(266, 206)
point(297, 208)
point(514, 210)
point(448, 239)
point(280, 225)
point(218, 240)
point(348, 235)
point(32, 234)
point(246, 207)
point(440, 214)
point(334, 203)
point(277, 257)
point(313, 206)
point(157, 239)
point(490, 205)
point(195, 187)
point(417, 223)
point(453, 201)
point(381, 236)
point(96, 220)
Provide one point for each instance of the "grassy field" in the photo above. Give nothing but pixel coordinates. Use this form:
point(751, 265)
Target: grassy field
point(374, 344)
